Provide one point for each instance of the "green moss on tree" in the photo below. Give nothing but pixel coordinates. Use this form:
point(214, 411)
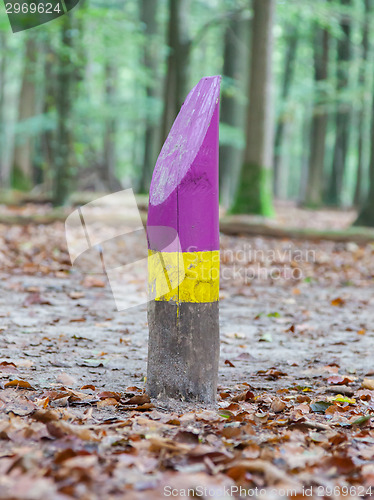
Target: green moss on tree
point(254, 193)
point(19, 180)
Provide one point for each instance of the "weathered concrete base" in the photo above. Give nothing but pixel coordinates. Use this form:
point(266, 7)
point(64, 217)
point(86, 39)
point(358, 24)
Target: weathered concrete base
point(183, 351)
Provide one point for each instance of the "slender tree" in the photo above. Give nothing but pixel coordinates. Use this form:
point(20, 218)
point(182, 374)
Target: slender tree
point(343, 112)
point(362, 111)
point(232, 109)
point(292, 39)
point(63, 172)
point(366, 215)
point(176, 81)
point(48, 138)
point(108, 174)
point(254, 193)
point(314, 186)
point(23, 150)
point(150, 60)
point(4, 173)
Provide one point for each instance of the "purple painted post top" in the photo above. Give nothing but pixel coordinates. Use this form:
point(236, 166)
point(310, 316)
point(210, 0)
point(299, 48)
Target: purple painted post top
point(184, 189)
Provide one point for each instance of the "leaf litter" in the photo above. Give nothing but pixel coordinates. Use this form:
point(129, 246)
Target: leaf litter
point(296, 386)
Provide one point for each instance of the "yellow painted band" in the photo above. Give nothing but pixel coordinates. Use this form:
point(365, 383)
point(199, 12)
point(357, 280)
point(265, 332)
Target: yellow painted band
point(183, 276)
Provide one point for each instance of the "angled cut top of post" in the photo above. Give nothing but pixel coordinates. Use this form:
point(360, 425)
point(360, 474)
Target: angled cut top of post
point(184, 189)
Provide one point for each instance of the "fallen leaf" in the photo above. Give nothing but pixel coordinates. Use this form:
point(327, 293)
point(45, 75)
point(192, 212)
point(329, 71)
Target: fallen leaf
point(277, 405)
point(19, 384)
point(66, 379)
point(368, 383)
point(320, 406)
point(338, 302)
point(107, 402)
point(244, 396)
point(138, 400)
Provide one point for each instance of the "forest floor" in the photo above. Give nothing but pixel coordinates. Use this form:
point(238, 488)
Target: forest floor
point(296, 380)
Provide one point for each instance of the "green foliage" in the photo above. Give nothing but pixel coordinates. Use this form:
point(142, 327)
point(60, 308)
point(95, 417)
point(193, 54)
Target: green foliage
point(112, 33)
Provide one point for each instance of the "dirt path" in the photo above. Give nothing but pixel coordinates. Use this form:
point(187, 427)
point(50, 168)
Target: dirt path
point(286, 344)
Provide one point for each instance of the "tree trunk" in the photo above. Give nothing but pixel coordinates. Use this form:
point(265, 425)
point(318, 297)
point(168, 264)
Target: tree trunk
point(314, 186)
point(23, 151)
point(362, 112)
point(232, 110)
point(64, 103)
point(151, 138)
point(366, 216)
point(48, 139)
point(176, 84)
point(4, 174)
point(343, 114)
point(255, 189)
point(289, 69)
point(108, 173)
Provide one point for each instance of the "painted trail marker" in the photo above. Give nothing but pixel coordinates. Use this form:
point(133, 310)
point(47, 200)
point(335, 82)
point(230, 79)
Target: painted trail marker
point(183, 349)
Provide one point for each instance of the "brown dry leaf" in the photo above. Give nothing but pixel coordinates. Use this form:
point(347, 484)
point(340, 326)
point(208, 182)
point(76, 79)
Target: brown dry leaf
point(228, 363)
point(109, 394)
point(140, 399)
point(338, 302)
point(145, 407)
point(59, 429)
point(66, 379)
point(302, 398)
point(342, 463)
point(13, 402)
point(107, 402)
point(273, 474)
point(230, 432)
point(8, 367)
point(368, 383)
point(244, 396)
point(89, 386)
point(186, 437)
point(158, 443)
point(339, 380)
point(278, 405)
point(19, 384)
point(46, 416)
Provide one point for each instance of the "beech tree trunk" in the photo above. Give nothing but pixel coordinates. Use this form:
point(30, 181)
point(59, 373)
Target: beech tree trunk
point(289, 69)
point(176, 84)
point(314, 186)
point(63, 171)
point(151, 140)
point(232, 109)
point(254, 193)
point(23, 151)
point(4, 173)
point(362, 112)
point(108, 174)
point(343, 114)
point(48, 139)
point(366, 216)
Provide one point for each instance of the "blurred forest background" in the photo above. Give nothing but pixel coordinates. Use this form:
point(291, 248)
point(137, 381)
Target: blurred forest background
point(87, 100)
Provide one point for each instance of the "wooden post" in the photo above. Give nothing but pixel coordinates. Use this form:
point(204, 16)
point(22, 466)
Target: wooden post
point(183, 349)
